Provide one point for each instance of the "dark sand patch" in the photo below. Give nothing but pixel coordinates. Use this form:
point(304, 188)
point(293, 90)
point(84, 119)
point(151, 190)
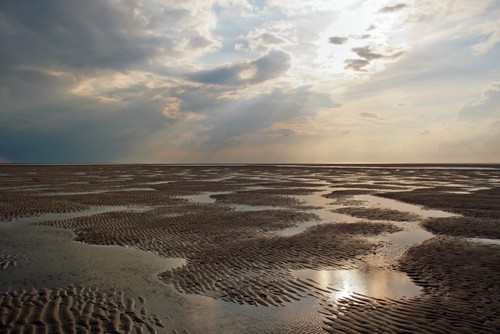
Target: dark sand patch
point(378, 214)
point(180, 231)
point(20, 204)
point(481, 203)
point(74, 310)
point(464, 227)
point(120, 198)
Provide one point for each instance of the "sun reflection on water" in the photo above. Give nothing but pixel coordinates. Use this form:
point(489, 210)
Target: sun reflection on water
point(378, 283)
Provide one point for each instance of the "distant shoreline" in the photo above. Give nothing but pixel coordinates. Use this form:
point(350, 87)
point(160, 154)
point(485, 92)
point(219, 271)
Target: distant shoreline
point(308, 165)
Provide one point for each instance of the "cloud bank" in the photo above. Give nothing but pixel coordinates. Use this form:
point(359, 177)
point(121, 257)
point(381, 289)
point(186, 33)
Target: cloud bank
point(195, 81)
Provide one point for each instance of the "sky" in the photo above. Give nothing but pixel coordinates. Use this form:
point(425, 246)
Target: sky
point(257, 81)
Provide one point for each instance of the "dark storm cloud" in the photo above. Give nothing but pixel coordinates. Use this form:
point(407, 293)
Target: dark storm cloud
point(265, 68)
point(52, 134)
point(337, 40)
point(75, 34)
point(43, 122)
point(50, 47)
point(392, 9)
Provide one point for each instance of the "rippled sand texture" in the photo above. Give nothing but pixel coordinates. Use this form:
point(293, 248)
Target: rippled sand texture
point(246, 231)
point(8, 260)
point(73, 310)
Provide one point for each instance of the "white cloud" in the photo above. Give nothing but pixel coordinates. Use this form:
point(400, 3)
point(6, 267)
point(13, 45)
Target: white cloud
point(488, 106)
point(491, 30)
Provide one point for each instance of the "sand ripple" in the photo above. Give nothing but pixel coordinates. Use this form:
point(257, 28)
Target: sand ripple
point(9, 260)
point(72, 310)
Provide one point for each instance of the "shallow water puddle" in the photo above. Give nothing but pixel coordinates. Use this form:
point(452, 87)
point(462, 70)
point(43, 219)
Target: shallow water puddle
point(411, 235)
point(375, 283)
point(396, 243)
point(321, 207)
point(159, 182)
point(26, 188)
point(244, 207)
point(206, 198)
point(382, 202)
point(69, 193)
point(52, 259)
point(137, 189)
point(485, 241)
point(71, 215)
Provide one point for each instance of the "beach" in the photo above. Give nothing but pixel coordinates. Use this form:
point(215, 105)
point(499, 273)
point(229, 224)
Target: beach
point(249, 248)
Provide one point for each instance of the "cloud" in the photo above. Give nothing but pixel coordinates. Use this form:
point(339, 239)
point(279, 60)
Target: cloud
point(233, 118)
point(57, 125)
point(366, 53)
point(491, 31)
point(100, 80)
point(487, 106)
point(265, 68)
point(337, 40)
point(367, 56)
point(356, 64)
point(370, 115)
point(75, 130)
point(274, 33)
point(269, 39)
point(392, 9)
point(99, 34)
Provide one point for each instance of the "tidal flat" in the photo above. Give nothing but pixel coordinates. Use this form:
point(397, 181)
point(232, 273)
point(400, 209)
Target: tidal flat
point(249, 248)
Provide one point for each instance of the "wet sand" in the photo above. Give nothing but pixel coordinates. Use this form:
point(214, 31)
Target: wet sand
point(72, 310)
point(460, 281)
point(293, 238)
point(8, 260)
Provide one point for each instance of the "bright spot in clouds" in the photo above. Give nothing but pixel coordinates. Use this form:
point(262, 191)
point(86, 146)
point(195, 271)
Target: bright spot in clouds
point(249, 81)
